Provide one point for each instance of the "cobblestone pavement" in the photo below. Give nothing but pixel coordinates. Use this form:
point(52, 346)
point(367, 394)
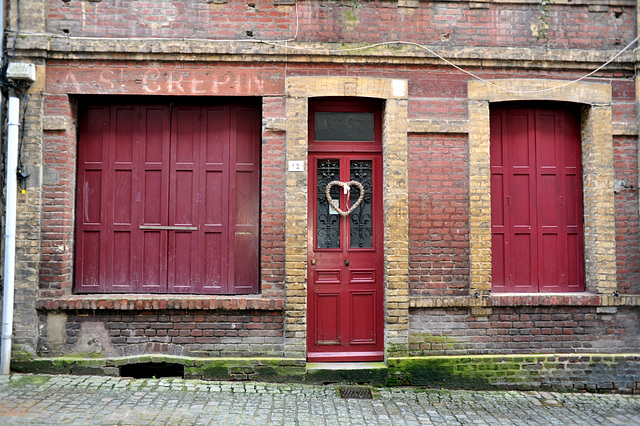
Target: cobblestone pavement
point(92, 400)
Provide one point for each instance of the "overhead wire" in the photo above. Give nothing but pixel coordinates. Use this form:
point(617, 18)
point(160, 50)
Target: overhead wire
point(459, 68)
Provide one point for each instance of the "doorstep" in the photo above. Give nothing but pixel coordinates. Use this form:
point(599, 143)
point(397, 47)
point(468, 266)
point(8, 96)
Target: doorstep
point(313, 366)
point(360, 373)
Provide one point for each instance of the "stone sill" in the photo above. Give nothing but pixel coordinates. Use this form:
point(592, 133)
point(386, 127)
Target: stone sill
point(134, 302)
point(549, 299)
point(524, 299)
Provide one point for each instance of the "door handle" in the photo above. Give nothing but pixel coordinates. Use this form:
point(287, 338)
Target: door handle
point(168, 228)
point(346, 262)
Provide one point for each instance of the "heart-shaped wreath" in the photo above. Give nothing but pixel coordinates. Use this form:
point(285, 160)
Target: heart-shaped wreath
point(347, 187)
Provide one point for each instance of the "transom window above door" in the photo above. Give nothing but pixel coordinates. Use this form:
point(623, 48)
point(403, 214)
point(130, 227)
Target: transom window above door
point(168, 198)
point(345, 124)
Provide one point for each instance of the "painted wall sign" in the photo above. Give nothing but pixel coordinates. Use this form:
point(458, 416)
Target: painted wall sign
point(164, 80)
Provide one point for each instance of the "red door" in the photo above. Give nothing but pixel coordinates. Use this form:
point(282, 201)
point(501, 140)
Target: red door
point(168, 195)
point(536, 200)
point(345, 259)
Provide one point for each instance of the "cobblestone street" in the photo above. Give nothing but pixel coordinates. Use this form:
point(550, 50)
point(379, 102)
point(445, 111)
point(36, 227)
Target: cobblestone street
point(84, 400)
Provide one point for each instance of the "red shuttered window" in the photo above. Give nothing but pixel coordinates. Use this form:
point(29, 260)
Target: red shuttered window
point(168, 199)
point(536, 200)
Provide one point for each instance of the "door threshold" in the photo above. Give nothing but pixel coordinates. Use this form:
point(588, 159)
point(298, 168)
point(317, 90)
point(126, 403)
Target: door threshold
point(312, 366)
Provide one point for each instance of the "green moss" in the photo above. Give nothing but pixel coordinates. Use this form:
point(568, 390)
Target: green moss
point(63, 362)
point(214, 372)
point(399, 379)
point(350, 16)
point(83, 355)
point(454, 371)
point(20, 355)
point(467, 372)
point(23, 381)
point(268, 369)
point(374, 376)
point(395, 350)
point(40, 366)
point(429, 338)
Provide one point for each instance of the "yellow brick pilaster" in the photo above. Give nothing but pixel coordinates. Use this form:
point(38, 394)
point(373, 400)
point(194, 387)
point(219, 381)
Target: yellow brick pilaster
point(295, 321)
point(396, 229)
point(479, 197)
point(599, 210)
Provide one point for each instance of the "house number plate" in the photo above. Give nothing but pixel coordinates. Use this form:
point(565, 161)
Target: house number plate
point(296, 166)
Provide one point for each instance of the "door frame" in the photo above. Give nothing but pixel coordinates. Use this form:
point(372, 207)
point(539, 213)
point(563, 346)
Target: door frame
point(393, 93)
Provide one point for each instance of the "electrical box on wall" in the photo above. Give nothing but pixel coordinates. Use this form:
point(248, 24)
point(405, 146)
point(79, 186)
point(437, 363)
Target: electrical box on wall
point(21, 71)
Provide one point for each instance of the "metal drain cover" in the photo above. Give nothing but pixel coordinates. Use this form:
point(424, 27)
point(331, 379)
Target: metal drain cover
point(355, 392)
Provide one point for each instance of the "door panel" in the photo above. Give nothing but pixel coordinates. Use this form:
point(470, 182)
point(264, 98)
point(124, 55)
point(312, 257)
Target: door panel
point(536, 200)
point(345, 260)
point(153, 277)
point(327, 318)
point(363, 305)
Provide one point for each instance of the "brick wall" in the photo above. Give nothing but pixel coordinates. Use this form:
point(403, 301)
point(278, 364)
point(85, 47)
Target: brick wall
point(592, 373)
point(28, 220)
point(625, 152)
point(273, 201)
point(445, 23)
point(192, 333)
point(525, 330)
point(58, 192)
point(439, 211)
point(624, 107)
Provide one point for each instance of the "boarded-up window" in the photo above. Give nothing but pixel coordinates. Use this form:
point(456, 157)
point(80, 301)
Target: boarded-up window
point(536, 200)
point(168, 199)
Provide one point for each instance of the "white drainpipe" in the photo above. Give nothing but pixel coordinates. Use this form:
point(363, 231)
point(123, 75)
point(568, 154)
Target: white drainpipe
point(10, 234)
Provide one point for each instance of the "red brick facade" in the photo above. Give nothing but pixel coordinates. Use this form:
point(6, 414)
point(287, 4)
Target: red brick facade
point(461, 24)
point(436, 301)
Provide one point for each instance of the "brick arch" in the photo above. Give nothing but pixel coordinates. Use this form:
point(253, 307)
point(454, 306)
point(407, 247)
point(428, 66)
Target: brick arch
point(394, 93)
point(597, 169)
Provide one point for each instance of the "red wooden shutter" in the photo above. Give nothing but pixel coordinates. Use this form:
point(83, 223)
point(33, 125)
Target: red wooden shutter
point(168, 199)
point(214, 222)
point(244, 209)
point(152, 199)
point(184, 196)
point(91, 221)
point(536, 201)
point(122, 179)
